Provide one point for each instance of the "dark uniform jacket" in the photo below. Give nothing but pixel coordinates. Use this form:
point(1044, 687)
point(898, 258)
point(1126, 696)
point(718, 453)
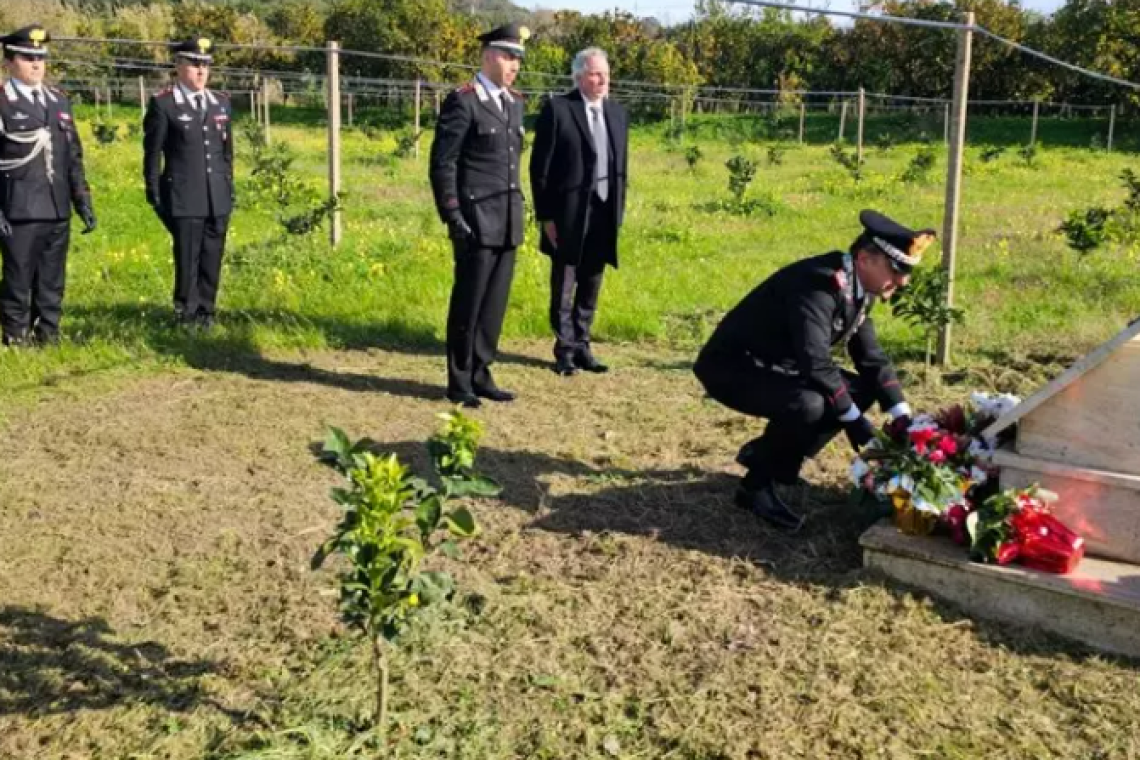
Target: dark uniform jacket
point(475, 165)
point(26, 193)
point(563, 172)
point(791, 322)
point(188, 162)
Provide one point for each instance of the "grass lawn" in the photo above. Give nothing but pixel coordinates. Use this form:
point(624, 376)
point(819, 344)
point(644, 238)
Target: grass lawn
point(159, 500)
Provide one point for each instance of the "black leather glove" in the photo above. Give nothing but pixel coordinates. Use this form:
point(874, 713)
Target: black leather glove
point(859, 431)
point(458, 228)
point(5, 227)
point(87, 214)
point(155, 201)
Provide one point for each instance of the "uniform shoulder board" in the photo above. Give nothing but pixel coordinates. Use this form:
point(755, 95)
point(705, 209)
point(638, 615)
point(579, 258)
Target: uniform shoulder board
point(167, 90)
point(57, 90)
point(469, 87)
point(515, 93)
point(222, 94)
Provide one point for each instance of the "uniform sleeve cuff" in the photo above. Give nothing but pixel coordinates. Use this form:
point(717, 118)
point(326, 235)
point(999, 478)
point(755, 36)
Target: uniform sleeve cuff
point(852, 413)
point(899, 410)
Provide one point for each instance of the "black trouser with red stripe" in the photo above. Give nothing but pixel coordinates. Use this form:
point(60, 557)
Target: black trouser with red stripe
point(800, 419)
point(35, 269)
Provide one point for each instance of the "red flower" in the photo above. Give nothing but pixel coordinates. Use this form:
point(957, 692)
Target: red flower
point(921, 438)
point(937, 456)
point(952, 419)
point(948, 446)
point(955, 519)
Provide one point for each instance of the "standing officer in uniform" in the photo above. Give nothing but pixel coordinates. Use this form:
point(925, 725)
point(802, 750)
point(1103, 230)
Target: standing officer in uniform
point(188, 167)
point(41, 178)
point(771, 357)
point(578, 176)
point(475, 179)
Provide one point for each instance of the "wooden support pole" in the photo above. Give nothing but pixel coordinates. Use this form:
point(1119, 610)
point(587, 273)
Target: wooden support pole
point(946, 125)
point(859, 132)
point(437, 96)
point(416, 127)
point(1111, 125)
point(954, 173)
point(334, 139)
point(142, 93)
point(803, 110)
point(1033, 129)
point(842, 121)
point(265, 110)
point(351, 120)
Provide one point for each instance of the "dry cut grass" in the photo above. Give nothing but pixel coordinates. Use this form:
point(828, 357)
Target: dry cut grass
point(156, 600)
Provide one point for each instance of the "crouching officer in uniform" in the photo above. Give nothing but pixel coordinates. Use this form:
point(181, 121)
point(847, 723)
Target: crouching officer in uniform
point(41, 178)
point(188, 167)
point(771, 357)
point(475, 161)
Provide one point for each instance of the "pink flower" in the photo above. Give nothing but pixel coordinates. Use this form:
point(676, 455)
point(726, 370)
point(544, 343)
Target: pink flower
point(937, 456)
point(921, 438)
point(948, 446)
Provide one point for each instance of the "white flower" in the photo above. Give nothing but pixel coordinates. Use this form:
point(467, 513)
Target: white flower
point(859, 468)
point(901, 483)
point(993, 406)
point(981, 449)
point(922, 422)
point(978, 476)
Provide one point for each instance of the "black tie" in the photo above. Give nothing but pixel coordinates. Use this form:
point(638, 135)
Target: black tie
point(503, 105)
point(200, 107)
point(41, 102)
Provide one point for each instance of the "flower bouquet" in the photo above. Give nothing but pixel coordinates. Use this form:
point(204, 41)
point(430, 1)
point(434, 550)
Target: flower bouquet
point(913, 468)
point(1018, 525)
point(938, 470)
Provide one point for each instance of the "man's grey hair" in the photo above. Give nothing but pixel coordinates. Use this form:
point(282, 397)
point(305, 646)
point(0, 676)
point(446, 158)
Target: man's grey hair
point(582, 57)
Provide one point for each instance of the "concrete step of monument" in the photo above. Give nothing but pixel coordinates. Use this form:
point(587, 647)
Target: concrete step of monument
point(1097, 605)
point(1101, 505)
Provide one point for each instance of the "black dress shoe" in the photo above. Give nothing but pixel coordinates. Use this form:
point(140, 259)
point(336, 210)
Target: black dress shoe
point(495, 394)
point(467, 400)
point(564, 366)
point(206, 322)
point(588, 362)
point(766, 504)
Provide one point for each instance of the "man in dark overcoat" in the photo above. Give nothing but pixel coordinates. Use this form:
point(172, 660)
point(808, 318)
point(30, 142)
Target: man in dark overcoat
point(578, 174)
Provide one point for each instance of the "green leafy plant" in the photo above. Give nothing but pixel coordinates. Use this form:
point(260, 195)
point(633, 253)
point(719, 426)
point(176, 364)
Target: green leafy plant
point(849, 161)
point(310, 219)
point(885, 141)
point(776, 155)
point(918, 170)
point(392, 522)
point(105, 133)
point(1132, 185)
point(922, 303)
point(741, 172)
point(1086, 230)
point(1028, 155)
point(693, 155)
point(406, 144)
point(992, 153)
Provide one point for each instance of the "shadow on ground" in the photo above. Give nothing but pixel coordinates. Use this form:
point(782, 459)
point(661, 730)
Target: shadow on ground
point(49, 665)
point(693, 509)
point(232, 345)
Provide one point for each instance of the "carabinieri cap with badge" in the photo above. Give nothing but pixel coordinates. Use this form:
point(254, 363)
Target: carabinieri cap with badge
point(510, 38)
point(902, 246)
point(30, 41)
point(194, 49)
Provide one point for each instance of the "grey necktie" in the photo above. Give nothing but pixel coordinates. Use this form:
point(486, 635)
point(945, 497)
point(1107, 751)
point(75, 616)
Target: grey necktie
point(200, 106)
point(602, 148)
point(40, 101)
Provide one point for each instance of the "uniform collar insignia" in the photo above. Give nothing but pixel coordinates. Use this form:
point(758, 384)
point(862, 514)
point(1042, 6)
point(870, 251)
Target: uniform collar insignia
point(186, 117)
point(10, 90)
point(18, 116)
